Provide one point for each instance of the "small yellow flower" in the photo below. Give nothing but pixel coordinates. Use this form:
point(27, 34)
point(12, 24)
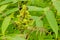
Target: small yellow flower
point(25, 20)
point(17, 22)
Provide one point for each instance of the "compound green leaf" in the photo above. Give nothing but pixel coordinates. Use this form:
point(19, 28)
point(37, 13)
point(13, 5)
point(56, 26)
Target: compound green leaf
point(56, 4)
point(39, 22)
point(5, 24)
point(15, 37)
point(52, 21)
point(3, 7)
point(11, 11)
point(5, 2)
point(34, 8)
point(31, 8)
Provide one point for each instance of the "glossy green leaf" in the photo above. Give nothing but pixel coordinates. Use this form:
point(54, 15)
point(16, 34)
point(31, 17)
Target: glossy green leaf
point(5, 2)
point(11, 11)
point(34, 8)
point(15, 37)
point(31, 8)
point(39, 22)
point(52, 20)
point(56, 4)
point(10, 1)
point(3, 7)
point(5, 24)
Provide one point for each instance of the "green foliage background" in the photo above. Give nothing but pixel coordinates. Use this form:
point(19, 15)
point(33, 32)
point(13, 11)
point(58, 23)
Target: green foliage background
point(46, 16)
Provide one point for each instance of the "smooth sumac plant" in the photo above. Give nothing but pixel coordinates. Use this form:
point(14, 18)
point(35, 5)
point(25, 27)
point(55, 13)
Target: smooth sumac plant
point(29, 20)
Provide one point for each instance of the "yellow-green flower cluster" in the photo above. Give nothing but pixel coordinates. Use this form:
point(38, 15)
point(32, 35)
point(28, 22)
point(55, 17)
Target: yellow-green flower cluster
point(24, 19)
